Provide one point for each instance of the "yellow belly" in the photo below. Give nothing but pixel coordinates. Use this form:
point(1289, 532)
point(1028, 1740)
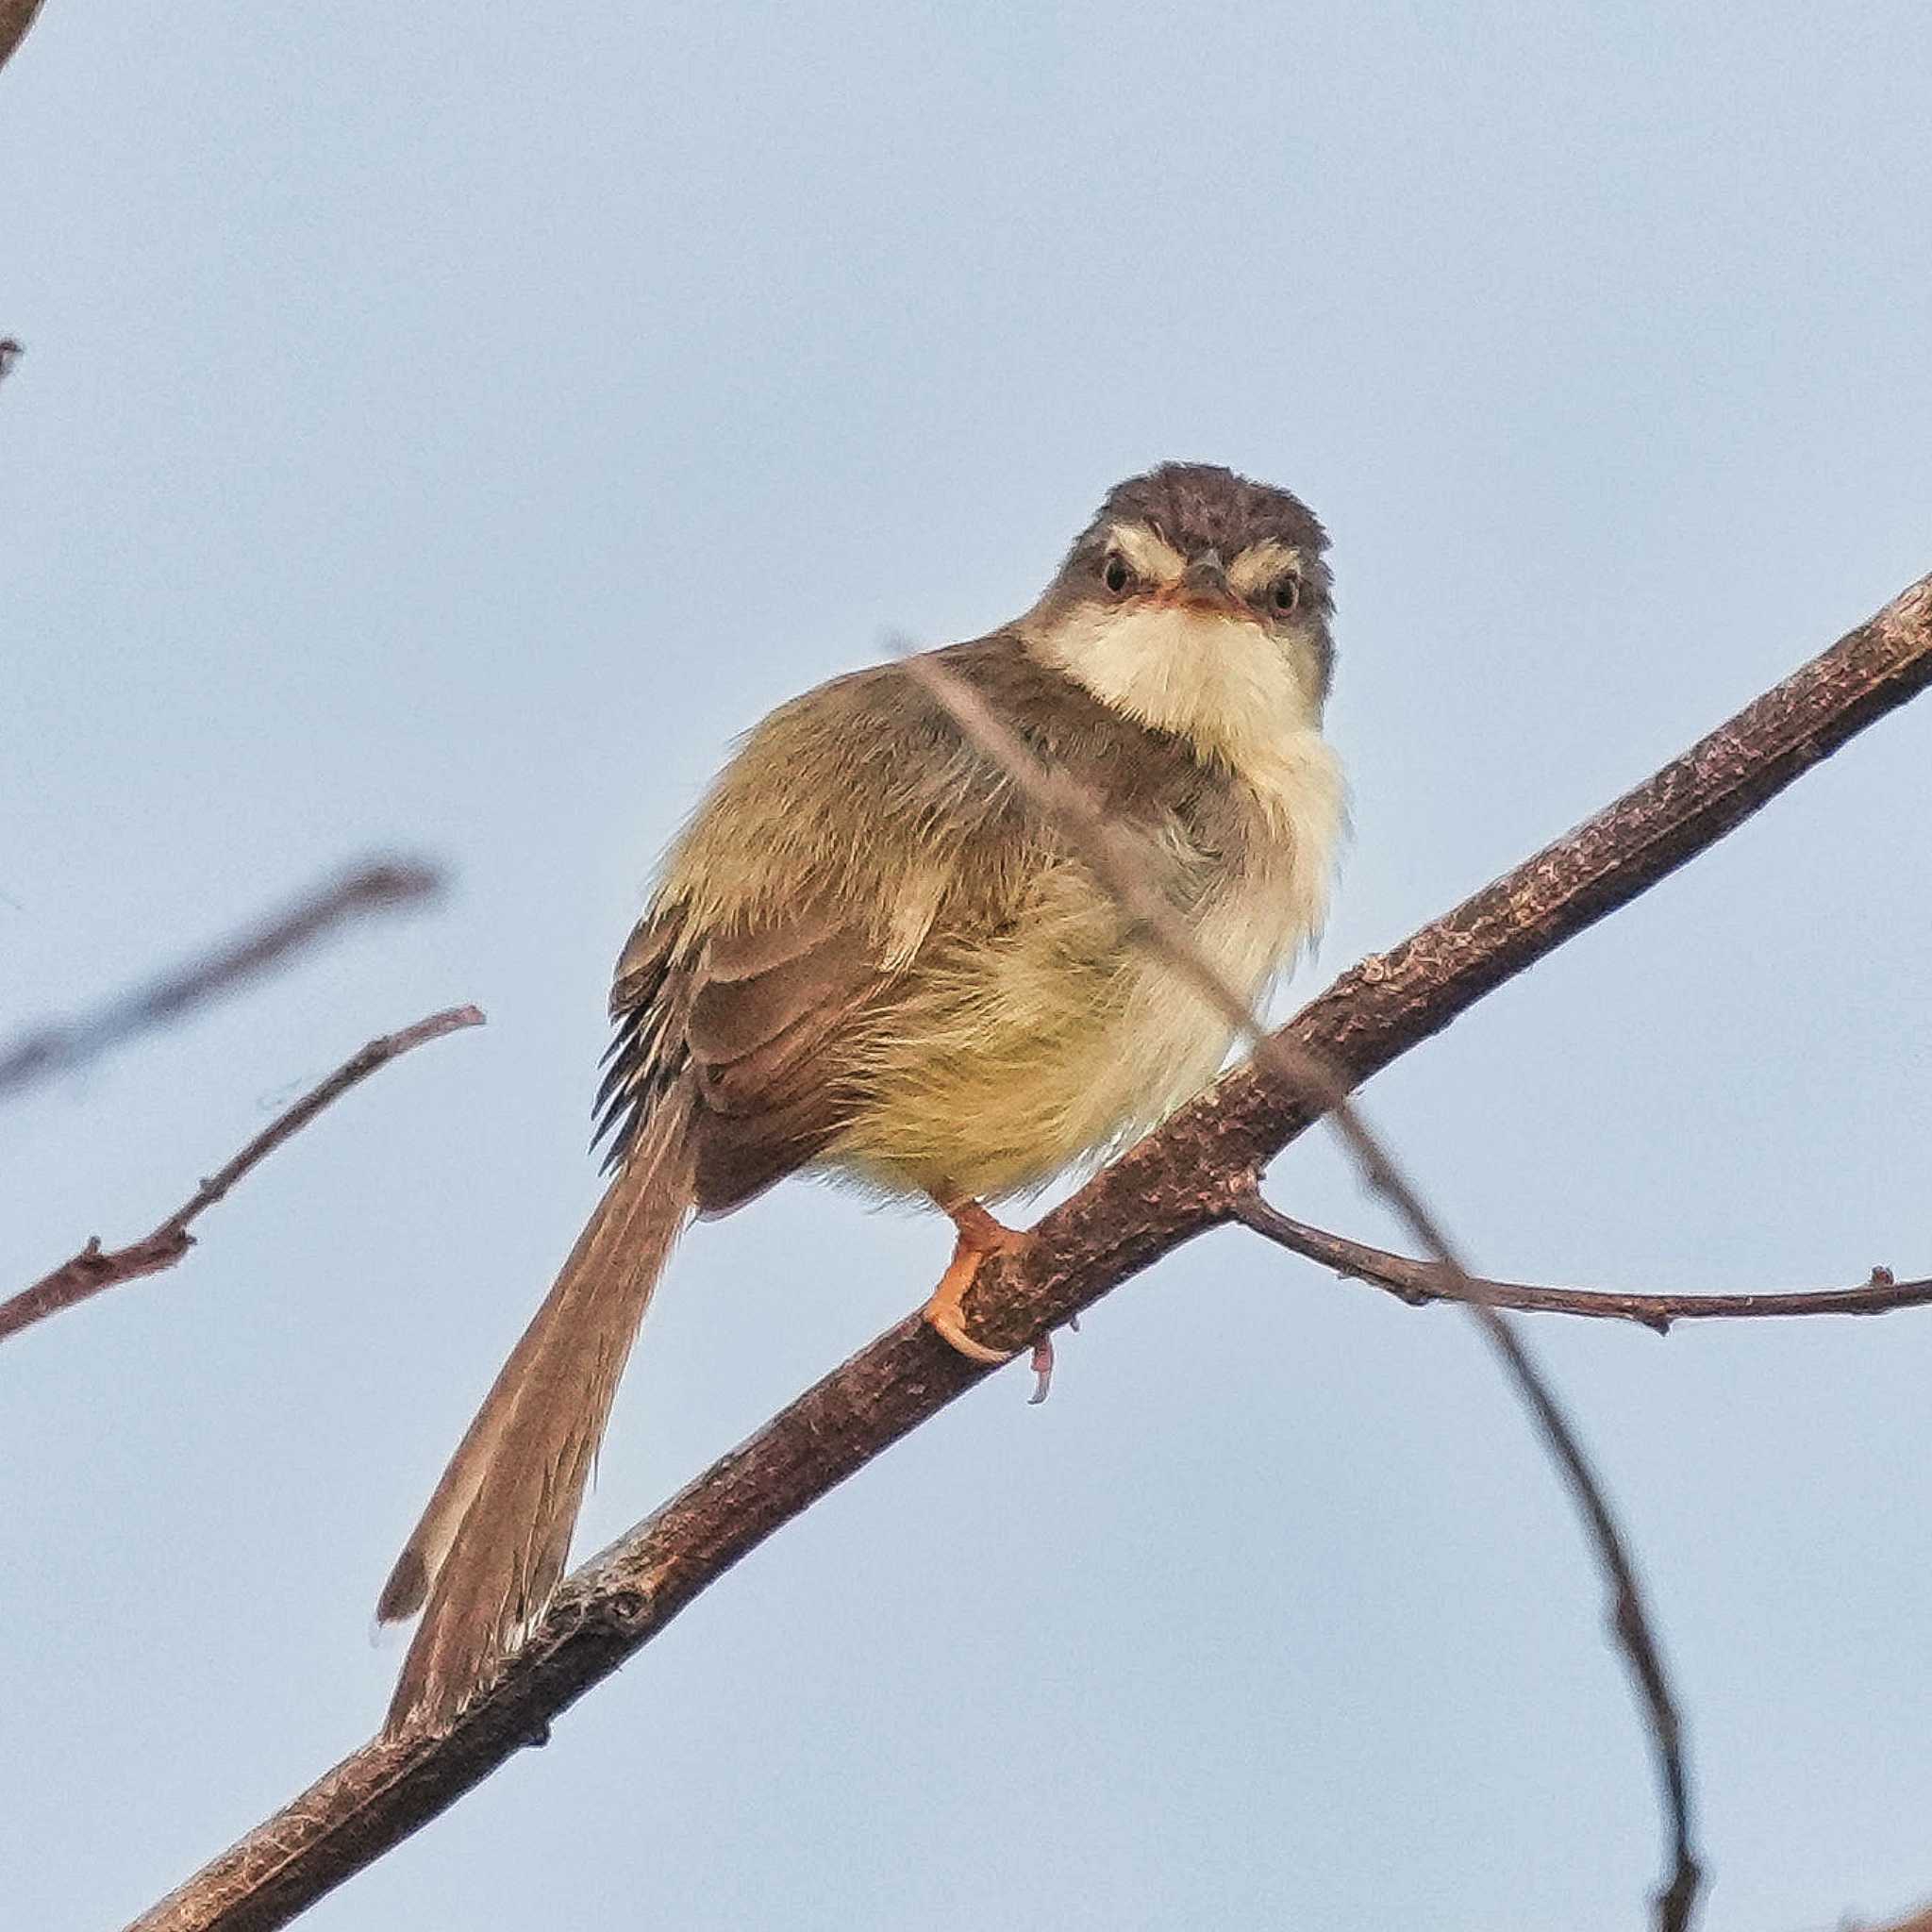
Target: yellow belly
point(1009, 1062)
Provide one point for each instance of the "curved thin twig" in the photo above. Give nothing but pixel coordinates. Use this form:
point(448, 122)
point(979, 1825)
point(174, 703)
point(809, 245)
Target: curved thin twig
point(1178, 1182)
point(61, 1046)
point(87, 1274)
point(1122, 869)
point(1420, 1282)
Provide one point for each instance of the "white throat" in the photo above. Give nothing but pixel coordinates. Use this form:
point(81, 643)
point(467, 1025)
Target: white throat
point(1219, 682)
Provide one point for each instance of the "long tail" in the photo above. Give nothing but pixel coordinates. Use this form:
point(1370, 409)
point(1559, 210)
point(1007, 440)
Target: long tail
point(494, 1540)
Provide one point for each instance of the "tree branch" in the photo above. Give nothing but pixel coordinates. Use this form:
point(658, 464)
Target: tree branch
point(16, 16)
point(1179, 1181)
point(1919, 1921)
point(1122, 869)
point(1420, 1282)
point(61, 1046)
point(94, 1268)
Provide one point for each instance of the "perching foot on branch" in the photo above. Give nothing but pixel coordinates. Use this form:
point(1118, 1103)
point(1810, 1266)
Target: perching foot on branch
point(979, 1235)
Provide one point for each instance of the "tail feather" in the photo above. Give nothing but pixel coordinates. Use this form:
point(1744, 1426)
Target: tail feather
point(493, 1542)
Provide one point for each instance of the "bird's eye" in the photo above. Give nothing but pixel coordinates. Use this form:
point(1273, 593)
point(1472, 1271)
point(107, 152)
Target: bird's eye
point(1285, 593)
point(1115, 573)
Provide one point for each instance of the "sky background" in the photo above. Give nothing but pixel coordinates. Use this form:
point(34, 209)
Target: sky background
point(443, 429)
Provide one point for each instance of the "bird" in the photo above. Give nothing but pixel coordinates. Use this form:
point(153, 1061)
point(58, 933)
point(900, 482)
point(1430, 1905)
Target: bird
point(869, 955)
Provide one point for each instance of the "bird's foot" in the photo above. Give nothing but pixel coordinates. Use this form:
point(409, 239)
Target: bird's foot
point(979, 1235)
point(1042, 1370)
point(1041, 1363)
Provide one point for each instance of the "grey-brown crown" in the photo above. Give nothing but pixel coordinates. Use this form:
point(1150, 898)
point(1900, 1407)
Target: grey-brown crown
point(1199, 507)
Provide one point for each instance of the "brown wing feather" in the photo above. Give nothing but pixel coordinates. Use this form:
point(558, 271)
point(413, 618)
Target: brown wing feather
point(779, 923)
point(757, 1017)
point(644, 1057)
point(731, 1016)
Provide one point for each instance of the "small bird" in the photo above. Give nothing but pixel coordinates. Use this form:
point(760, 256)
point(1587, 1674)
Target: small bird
point(868, 954)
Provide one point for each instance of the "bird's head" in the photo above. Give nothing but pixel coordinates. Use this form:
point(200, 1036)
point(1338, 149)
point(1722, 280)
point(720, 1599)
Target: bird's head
point(1196, 602)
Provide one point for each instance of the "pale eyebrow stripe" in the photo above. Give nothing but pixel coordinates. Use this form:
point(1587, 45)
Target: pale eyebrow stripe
point(1260, 563)
point(1153, 557)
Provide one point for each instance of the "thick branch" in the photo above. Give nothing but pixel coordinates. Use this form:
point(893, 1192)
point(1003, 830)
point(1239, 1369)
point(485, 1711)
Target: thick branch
point(1173, 1185)
point(64, 1044)
point(1419, 1282)
point(95, 1268)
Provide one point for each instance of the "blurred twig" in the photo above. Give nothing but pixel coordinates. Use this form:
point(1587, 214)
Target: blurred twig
point(16, 16)
point(95, 1268)
point(1417, 1282)
point(1119, 863)
point(1180, 1181)
point(1919, 1921)
point(61, 1046)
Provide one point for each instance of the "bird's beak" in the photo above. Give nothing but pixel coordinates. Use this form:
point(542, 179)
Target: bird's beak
point(1205, 588)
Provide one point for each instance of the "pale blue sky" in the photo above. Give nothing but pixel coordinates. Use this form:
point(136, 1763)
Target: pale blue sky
point(446, 426)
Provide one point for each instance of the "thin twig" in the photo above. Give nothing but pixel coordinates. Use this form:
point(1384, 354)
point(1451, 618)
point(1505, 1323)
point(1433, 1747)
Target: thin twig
point(1919, 1921)
point(16, 16)
point(61, 1046)
point(1178, 1183)
point(1122, 869)
point(95, 1268)
point(1420, 1282)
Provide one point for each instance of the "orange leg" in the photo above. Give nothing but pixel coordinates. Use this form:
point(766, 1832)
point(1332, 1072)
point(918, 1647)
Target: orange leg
point(979, 1235)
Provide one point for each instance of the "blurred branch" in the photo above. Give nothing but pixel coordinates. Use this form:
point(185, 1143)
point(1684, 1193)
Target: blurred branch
point(10, 350)
point(95, 1268)
point(1919, 1921)
point(16, 16)
point(1181, 1180)
point(62, 1045)
point(1419, 1282)
point(1120, 866)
